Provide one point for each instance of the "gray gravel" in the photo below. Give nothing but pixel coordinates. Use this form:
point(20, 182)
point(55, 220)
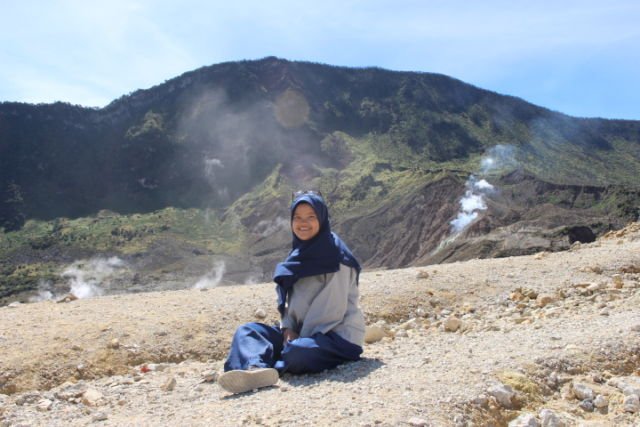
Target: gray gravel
point(552, 319)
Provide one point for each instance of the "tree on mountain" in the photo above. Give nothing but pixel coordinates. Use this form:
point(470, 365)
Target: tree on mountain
point(12, 215)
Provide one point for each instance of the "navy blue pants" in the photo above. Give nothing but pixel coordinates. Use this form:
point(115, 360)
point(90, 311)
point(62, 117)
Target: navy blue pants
point(260, 345)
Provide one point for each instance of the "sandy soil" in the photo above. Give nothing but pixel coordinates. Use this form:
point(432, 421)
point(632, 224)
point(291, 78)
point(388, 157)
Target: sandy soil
point(455, 333)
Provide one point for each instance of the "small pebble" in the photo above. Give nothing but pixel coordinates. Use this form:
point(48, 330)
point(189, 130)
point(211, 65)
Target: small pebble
point(600, 402)
point(169, 385)
point(417, 422)
point(525, 420)
point(586, 405)
point(100, 416)
point(44, 405)
point(582, 392)
point(210, 376)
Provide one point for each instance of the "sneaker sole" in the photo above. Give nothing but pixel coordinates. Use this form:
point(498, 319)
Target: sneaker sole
point(243, 381)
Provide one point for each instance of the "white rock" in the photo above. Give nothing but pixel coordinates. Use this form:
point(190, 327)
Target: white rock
point(417, 422)
point(373, 333)
point(452, 324)
point(525, 420)
point(410, 324)
point(629, 390)
point(544, 299)
point(550, 419)
point(260, 314)
point(156, 366)
point(423, 274)
point(595, 287)
point(44, 405)
point(92, 397)
point(503, 394)
point(582, 392)
point(100, 416)
point(401, 333)
point(618, 283)
point(600, 402)
point(169, 385)
point(540, 255)
point(553, 312)
point(632, 404)
point(210, 376)
point(68, 391)
point(67, 298)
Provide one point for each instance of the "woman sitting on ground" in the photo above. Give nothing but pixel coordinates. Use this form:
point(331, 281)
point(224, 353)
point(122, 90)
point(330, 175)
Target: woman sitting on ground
point(322, 325)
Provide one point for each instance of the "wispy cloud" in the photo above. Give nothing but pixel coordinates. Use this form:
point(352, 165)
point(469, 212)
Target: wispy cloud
point(84, 52)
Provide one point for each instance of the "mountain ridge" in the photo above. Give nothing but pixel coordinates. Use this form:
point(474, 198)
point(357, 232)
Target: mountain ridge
point(251, 132)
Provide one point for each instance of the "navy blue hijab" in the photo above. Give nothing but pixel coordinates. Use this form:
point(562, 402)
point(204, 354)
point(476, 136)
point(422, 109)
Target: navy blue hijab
point(320, 255)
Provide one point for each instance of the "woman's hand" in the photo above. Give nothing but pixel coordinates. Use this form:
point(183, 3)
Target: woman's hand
point(289, 335)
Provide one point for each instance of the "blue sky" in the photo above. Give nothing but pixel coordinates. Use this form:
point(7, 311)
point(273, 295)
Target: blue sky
point(578, 57)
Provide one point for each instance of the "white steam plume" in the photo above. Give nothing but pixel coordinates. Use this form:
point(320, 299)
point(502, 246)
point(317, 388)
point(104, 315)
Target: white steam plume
point(471, 203)
point(213, 277)
point(253, 279)
point(88, 278)
point(497, 157)
point(44, 292)
point(210, 164)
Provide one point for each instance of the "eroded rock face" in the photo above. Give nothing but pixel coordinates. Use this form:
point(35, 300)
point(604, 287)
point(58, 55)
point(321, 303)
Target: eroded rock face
point(525, 216)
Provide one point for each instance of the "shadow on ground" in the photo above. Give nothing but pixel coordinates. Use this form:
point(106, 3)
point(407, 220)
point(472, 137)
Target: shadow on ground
point(346, 373)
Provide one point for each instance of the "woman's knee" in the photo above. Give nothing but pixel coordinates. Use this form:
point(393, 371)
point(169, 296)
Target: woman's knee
point(299, 357)
point(248, 329)
point(295, 359)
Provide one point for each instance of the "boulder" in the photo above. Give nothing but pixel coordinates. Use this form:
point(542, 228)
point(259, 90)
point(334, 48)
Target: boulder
point(550, 419)
point(582, 392)
point(374, 333)
point(452, 324)
point(503, 394)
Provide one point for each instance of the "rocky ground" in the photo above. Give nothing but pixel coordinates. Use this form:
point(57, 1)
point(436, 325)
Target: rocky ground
point(551, 339)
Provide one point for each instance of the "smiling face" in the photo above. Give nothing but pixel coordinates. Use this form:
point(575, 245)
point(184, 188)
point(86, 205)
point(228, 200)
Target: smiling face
point(304, 223)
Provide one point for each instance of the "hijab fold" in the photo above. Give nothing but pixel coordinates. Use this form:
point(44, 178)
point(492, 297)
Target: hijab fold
point(321, 254)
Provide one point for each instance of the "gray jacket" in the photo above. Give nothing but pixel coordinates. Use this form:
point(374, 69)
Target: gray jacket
point(326, 302)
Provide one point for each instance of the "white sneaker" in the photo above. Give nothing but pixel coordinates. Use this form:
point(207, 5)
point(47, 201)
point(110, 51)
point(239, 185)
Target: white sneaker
point(242, 381)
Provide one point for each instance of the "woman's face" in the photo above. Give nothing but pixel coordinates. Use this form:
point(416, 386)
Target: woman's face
point(305, 224)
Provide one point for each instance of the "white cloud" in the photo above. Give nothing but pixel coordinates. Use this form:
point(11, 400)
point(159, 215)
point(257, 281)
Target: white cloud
point(102, 50)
